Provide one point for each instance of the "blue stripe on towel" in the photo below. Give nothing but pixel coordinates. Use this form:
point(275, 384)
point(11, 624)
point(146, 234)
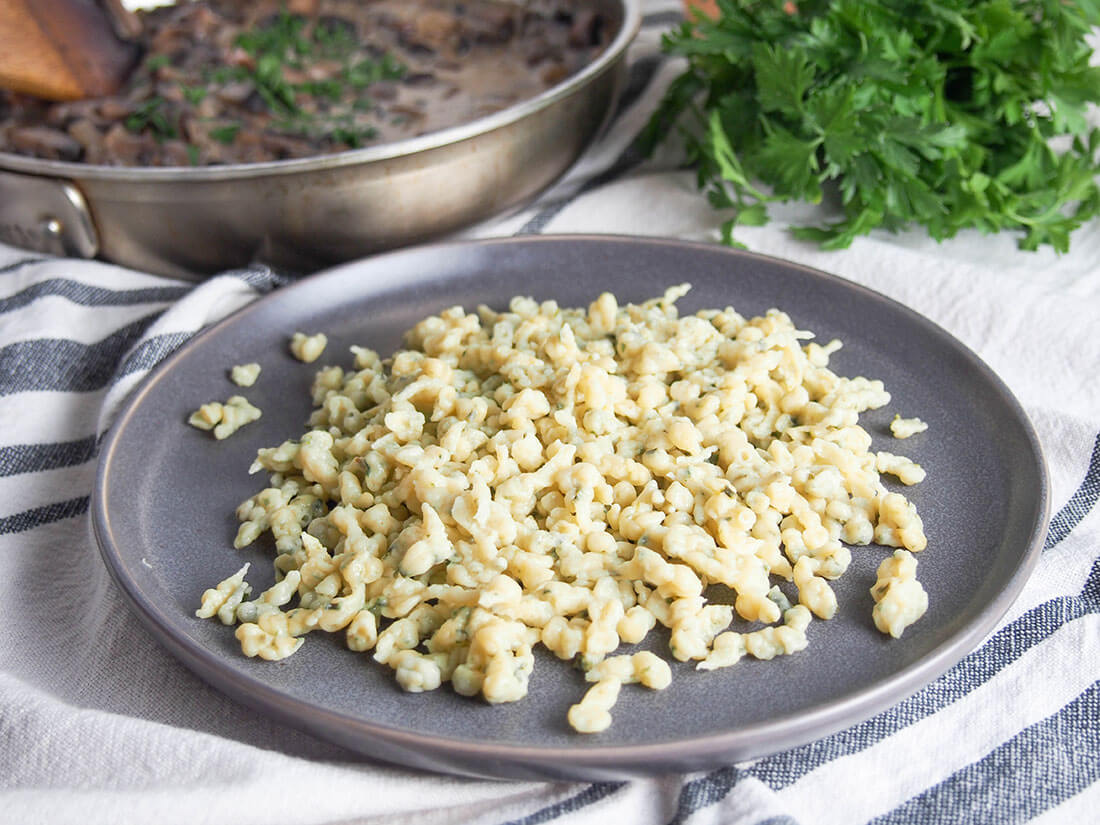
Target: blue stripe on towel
point(148, 354)
point(88, 295)
point(15, 266)
point(1081, 502)
point(38, 516)
point(58, 364)
point(30, 458)
point(1038, 769)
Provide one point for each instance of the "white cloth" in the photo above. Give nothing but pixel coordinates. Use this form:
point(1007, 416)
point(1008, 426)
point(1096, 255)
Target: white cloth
point(99, 724)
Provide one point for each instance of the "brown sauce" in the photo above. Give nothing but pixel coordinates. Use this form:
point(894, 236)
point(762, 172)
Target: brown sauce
point(248, 81)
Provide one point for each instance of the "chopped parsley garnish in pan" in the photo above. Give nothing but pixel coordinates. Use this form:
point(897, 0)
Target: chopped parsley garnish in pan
point(313, 79)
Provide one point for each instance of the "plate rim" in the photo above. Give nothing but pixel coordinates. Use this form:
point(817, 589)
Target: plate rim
point(593, 761)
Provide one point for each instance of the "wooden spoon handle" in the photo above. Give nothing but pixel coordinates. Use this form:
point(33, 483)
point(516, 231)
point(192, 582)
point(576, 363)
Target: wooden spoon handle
point(61, 49)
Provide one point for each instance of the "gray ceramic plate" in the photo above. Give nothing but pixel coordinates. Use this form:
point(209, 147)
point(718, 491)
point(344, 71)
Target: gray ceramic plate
point(165, 496)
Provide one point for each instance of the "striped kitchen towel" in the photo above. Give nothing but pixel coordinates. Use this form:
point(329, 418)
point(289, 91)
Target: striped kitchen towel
point(99, 724)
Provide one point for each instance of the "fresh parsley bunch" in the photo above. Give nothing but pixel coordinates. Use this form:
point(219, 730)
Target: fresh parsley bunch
point(940, 113)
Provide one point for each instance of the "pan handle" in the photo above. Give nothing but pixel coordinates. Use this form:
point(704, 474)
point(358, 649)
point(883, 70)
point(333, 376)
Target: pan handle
point(47, 215)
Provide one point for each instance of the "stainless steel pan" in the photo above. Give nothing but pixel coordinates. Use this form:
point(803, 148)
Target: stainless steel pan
point(310, 213)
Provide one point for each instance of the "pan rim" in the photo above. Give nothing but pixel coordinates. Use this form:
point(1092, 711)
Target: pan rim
point(393, 150)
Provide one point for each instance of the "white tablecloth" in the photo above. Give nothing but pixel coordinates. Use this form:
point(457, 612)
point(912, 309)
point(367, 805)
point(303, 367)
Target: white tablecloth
point(99, 724)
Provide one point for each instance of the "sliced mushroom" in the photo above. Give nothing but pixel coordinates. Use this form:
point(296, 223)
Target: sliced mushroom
point(44, 142)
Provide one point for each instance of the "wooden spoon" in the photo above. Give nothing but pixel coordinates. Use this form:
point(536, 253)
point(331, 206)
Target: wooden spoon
point(66, 49)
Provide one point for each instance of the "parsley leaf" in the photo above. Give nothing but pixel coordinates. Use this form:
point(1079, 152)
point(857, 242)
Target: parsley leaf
point(939, 113)
point(155, 115)
point(226, 133)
